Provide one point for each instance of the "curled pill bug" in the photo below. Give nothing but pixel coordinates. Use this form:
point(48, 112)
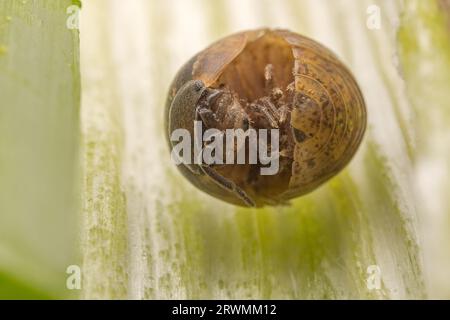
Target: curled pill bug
point(260, 82)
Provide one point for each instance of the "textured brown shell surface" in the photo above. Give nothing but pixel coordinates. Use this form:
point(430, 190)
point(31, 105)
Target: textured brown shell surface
point(334, 123)
point(331, 124)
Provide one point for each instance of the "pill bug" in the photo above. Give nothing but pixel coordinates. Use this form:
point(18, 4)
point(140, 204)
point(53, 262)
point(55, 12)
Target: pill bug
point(269, 79)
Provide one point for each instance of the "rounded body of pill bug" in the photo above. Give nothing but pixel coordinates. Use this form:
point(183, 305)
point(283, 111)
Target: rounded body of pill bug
point(270, 79)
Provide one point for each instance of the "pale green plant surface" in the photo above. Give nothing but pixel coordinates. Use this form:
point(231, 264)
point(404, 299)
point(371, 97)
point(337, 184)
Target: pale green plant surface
point(104, 236)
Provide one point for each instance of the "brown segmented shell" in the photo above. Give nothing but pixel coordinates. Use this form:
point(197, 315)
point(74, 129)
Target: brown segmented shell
point(326, 119)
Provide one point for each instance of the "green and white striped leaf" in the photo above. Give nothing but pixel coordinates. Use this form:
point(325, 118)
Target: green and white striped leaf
point(39, 148)
point(97, 188)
